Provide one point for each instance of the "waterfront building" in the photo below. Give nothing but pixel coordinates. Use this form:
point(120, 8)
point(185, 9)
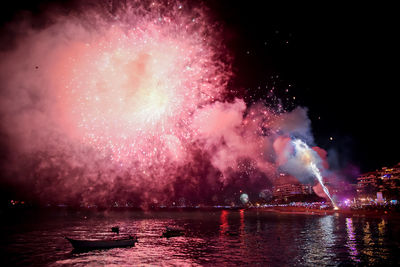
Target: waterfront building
point(386, 181)
point(288, 188)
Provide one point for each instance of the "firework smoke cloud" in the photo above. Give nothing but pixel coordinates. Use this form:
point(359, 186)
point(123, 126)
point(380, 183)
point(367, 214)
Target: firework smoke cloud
point(126, 102)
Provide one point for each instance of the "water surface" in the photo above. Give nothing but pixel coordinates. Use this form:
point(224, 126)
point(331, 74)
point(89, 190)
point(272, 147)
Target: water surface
point(214, 238)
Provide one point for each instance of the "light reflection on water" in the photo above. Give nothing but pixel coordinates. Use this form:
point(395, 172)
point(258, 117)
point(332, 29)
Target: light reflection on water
point(212, 238)
point(224, 222)
point(351, 240)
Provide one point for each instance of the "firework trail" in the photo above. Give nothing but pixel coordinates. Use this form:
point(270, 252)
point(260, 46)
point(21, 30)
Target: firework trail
point(307, 157)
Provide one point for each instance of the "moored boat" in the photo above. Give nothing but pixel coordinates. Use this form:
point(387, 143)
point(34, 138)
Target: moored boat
point(171, 232)
point(102, 244)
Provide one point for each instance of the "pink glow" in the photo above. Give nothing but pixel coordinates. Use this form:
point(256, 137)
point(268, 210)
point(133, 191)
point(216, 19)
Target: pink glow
point(283, 149)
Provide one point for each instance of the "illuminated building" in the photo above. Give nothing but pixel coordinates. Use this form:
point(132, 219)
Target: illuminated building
point(385, 180)
point(367, 184)
point(287, 188)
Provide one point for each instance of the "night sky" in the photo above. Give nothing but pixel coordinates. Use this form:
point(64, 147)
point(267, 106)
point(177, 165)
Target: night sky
point(336, 60)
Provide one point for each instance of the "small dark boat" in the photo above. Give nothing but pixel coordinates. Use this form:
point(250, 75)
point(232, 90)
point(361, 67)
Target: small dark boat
point(171, 232)
point(102, 244)
point(115, 229)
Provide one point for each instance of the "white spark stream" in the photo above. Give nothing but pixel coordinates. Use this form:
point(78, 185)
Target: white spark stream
point(307, 157)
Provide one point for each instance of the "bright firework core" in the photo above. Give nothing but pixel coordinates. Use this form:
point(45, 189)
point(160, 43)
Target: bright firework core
point(127, 87)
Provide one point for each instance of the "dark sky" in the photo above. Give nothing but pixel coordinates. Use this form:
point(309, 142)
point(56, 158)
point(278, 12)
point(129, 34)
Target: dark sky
point(337, 60)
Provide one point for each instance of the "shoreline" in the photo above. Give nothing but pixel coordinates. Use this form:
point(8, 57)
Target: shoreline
point(377, 213)
point(348, 212)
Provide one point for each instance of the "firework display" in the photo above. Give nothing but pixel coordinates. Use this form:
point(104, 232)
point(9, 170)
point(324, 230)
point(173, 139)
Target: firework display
point(131, 103)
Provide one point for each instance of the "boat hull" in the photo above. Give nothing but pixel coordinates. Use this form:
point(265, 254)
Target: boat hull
point(168, 235)
point(101, 244)
point(172, 233)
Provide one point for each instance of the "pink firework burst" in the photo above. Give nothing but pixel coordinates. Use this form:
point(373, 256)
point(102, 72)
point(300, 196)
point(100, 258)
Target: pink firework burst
point(130, 86)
